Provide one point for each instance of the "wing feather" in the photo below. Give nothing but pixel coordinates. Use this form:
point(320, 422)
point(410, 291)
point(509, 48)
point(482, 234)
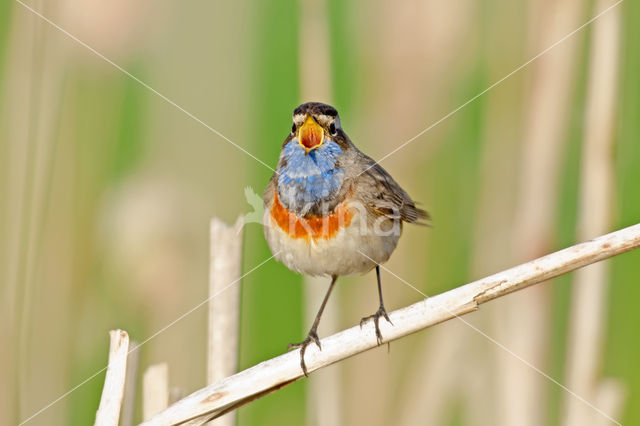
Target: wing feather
point(379, 191)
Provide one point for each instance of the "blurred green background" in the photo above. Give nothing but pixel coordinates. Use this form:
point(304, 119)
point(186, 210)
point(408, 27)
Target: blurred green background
point(107, 190)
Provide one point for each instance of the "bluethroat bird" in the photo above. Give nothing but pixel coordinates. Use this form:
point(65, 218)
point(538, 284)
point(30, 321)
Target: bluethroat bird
point(331, 210)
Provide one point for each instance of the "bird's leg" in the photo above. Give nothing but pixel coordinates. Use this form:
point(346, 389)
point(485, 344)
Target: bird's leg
point(313, 333)
point(381, 312)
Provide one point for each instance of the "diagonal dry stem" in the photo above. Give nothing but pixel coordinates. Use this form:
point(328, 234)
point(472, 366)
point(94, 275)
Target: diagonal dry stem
point(273, 374)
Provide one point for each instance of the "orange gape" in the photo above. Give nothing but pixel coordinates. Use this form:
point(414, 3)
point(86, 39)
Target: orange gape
point(314, 227)
point(310, 138)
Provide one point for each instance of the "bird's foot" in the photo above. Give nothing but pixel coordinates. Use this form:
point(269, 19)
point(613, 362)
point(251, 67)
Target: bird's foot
point(311, 337)
point(381, 312)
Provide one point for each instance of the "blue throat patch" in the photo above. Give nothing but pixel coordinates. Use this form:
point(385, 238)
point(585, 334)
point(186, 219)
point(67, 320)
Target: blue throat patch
point(309, 178)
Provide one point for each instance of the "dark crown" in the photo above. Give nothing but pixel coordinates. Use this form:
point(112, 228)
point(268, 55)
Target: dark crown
point(316, 108)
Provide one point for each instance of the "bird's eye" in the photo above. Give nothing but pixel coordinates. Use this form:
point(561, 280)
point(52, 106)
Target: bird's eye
point(332, 129)
point(293, 128)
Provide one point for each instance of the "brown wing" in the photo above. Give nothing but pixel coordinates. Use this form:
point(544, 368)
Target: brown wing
point(377, 189)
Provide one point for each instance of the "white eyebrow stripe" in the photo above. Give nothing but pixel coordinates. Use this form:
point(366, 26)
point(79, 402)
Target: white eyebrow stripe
point(325, 118)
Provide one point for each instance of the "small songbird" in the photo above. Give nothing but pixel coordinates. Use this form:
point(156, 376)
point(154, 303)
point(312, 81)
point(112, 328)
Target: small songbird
point(331, 210)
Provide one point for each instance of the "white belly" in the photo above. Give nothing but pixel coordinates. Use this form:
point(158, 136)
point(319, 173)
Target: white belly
point(351, 250)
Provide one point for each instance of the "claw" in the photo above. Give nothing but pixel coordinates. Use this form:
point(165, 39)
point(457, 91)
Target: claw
point(381, 312)
point(311, 337)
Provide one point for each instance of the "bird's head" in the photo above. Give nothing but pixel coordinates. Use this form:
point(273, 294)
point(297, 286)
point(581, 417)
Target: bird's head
point(313, 123)
point(309, 169)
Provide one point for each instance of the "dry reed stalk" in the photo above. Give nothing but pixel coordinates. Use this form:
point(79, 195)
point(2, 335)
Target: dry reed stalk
point(432, 387)
point(493, 218)
point(410, 53)
point(271, 375)
point(130, 389)
point(224, 304)
point(35, 74)
point(587, 315)
point(324, 395)
point(113, 391)
point(315, 58)
point(15, 161)
point(520, 391)
point(155, 390)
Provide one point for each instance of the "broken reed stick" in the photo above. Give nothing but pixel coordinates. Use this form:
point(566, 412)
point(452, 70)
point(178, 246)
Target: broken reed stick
point(155, 390)
point(113, 391)
point(129, 400)
point(224, 303)
point(271, 375)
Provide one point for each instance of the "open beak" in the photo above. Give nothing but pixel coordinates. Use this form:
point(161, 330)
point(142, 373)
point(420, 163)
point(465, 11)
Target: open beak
point(310, 134)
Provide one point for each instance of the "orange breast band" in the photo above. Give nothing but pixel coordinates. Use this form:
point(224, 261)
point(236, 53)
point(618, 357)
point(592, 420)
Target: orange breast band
point(313, 227)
